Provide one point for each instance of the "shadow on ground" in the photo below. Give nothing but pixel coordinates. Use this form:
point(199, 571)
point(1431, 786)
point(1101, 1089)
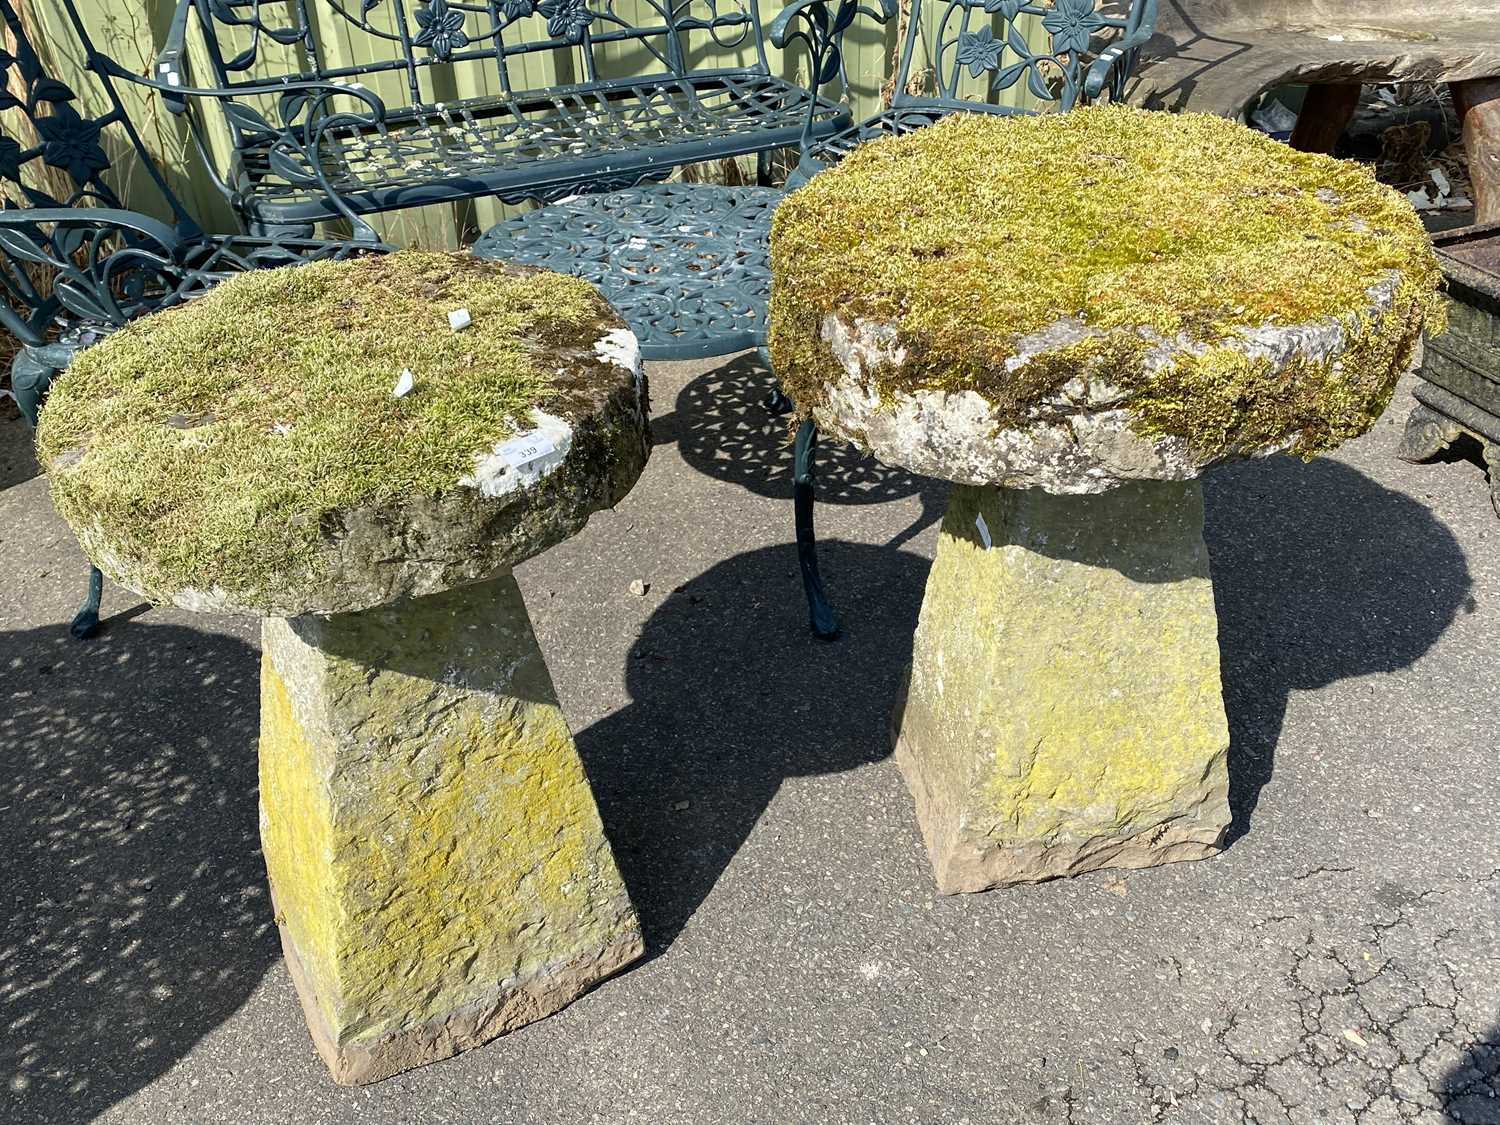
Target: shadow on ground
point(134, 917)
point(133, 912)
point(17, 459)
point(1470, 1092)
point(1320, 574)
point(723, 430)
point(732, 696)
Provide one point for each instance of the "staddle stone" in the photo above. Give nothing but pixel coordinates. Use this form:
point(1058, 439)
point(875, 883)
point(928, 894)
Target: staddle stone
point(249, 452)
point(1072, 317)
point(317, 446)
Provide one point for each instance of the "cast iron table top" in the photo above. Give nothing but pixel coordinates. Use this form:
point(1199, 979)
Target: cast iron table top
point(685, 264)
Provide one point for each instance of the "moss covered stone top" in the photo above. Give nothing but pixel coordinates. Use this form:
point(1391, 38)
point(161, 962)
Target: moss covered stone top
point(249, 451)
point(1070, 300)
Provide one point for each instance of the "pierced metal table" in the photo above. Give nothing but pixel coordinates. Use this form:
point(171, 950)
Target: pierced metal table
point(685, 264)
point(688, 267)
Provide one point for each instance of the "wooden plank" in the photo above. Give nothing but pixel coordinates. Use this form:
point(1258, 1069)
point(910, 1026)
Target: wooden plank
point(1325, 115)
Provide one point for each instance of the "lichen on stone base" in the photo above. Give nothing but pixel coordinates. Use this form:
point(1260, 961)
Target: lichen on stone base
point(439, 868)
point(1063, 709)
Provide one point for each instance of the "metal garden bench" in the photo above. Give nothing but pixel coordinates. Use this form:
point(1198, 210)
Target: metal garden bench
point(74, 264)
point(351, 99)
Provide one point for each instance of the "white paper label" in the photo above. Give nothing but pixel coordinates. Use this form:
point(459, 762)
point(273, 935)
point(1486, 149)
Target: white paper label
point(984, 530)
point(523, 450)
point(459, 319)
point(404, 384)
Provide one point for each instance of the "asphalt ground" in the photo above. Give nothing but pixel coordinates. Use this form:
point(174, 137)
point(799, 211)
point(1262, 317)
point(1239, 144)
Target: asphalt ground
point(1339, 961)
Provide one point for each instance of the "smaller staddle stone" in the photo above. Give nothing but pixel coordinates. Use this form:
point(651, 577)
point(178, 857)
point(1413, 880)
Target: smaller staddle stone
point(245, 452)
point(317, 446)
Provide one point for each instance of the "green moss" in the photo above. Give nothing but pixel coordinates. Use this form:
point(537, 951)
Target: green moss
point(981, 230)
point(208, 443)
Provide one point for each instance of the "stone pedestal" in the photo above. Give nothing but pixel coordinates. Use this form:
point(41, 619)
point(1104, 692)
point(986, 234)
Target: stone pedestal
point(1063, 711)
point(438, 866)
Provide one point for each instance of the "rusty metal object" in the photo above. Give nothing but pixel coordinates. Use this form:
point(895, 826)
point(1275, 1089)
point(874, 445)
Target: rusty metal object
point(1478, 106)
point(1328, 110)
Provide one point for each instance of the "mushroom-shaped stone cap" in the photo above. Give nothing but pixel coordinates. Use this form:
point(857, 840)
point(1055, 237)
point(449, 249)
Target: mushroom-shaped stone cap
point(1069, 301)
point(320, 438)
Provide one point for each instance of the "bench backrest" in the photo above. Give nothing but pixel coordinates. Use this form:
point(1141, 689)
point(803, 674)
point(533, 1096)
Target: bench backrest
point(1009, 55)
point(522, 44)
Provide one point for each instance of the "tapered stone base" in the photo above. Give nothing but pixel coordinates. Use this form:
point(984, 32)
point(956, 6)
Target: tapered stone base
point(438, 867)
point(1063, 711)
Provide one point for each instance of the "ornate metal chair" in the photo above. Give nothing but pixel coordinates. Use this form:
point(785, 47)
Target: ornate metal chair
point(74, 264)
point(975, 56)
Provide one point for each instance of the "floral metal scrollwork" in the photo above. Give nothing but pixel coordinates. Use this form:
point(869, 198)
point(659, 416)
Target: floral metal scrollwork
point(566, 19)
point(231, 15)
point(66, 139)
point(979, 51)
point(1070, 25)
point(822, 33)
point(441, 30)
point(293, 150)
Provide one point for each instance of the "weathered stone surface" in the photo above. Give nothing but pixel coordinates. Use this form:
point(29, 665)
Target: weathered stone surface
point(1063, 711)
point(1217, 56)
point(439, 869)
point(1069, 301)
point(1084, 437)
point(284, 477)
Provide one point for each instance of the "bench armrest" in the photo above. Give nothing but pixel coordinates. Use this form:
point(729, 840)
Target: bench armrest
point(1112, 67)
point(90, 252)
point(170, 67)
point(291, 147)
point(820, 27)
point(100, 264)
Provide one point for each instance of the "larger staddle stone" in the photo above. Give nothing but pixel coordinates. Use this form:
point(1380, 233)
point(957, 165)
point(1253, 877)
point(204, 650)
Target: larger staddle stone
point(438, 867)
point(1072, 317)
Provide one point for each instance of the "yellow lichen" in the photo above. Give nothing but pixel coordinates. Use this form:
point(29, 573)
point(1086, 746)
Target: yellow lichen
point(208, 442)
point(297, 834)
point(1064, 697)
point(1147, 227)
point(430, 845)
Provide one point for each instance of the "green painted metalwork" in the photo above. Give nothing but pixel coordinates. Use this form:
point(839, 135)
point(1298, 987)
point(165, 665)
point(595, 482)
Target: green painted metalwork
point(332, 107)
point(685, 264)
point(967, 55)
point(75, 265)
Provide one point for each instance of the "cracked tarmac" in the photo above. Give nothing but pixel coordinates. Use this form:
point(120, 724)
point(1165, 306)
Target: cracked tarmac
point(1339, 962)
